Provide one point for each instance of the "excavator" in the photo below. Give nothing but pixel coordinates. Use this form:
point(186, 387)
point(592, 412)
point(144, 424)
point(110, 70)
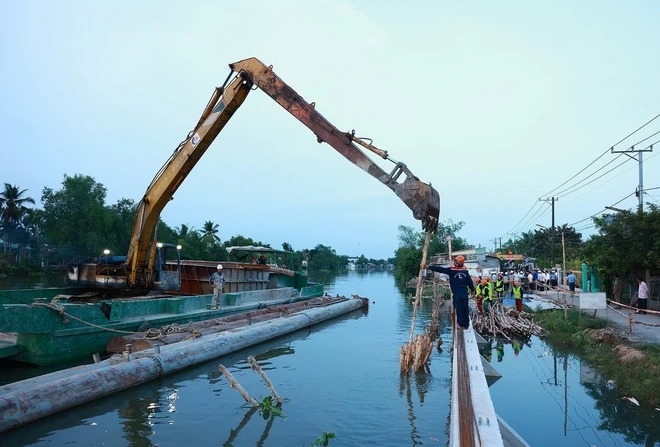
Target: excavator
point(145, 269)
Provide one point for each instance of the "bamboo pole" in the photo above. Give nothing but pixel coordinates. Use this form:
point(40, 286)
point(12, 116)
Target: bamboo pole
point(237, 386)
point(267, 381)
point(420, 283)
point(415, 354)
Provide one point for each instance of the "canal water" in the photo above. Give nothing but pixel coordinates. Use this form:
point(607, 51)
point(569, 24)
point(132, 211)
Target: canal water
point(342, 377)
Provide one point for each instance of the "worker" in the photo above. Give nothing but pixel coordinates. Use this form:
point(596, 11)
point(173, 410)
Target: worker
point(488, 295)
point(491, 287)
point(217, 281)
point(499, 286)
point(517, 293)
point(480, 292)
point(460, 282)
point(261, 259)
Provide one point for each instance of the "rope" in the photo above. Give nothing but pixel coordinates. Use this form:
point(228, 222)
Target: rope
point(626, 316)
point(60, 310)
point(153, 333)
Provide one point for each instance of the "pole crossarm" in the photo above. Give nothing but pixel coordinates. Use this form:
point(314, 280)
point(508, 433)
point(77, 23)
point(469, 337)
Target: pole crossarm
point(640, 161)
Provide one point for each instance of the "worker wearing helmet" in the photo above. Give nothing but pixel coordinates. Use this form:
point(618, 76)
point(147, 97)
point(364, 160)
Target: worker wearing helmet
point(517, 293)
point(499, 285)
point(217, 281)
point(481, 291)
point(487, 292)
point(460, 283)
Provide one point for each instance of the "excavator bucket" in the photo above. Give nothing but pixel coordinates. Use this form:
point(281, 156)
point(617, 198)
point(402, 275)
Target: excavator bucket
point(422, 199)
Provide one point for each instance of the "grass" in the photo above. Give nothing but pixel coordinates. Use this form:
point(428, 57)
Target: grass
point(639, 378)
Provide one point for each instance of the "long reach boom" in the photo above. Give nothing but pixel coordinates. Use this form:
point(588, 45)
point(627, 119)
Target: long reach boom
point(246, 75)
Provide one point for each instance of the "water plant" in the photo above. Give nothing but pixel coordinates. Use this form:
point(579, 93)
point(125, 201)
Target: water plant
point(323, 440)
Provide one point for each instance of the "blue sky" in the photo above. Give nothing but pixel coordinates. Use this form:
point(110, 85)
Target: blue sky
point(497, 104)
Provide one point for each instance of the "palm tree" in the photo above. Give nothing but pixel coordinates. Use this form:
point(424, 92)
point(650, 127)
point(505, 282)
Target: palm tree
point(12, 208)
point(183, 232)
point(209, 233)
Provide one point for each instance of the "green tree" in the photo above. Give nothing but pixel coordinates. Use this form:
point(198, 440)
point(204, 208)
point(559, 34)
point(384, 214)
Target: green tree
point(13, 209)
point(75, 218)
point(627, 244)
point(324, 257)
point(122, 219)
point(209, 233)
point(408, 256)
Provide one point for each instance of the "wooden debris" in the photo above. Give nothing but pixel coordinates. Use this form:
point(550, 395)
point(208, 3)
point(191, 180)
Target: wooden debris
point(412, 353)
point(237, 386)
point(415, 355)
point(506, 322)
point(267, 381)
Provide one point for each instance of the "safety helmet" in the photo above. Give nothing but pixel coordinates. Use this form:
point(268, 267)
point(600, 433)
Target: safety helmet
point(219, 266)
point(459, 260)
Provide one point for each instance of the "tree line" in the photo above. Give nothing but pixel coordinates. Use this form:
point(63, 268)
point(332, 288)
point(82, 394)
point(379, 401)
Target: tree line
point(626, 244)
point(75, 222)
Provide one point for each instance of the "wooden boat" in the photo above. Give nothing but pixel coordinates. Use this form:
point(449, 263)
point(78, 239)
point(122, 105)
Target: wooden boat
point(46, 329)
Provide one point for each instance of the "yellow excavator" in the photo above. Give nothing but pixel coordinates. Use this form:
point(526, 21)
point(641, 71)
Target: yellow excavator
point(144, 267)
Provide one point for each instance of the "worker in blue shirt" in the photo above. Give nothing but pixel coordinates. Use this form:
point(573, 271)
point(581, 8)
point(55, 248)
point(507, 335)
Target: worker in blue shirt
point(460, 283)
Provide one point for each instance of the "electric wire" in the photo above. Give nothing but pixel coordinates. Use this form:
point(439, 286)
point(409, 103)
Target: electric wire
point(523, 223)
point(607, 151)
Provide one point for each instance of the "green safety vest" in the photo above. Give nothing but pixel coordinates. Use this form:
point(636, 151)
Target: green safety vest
point(483, 291)
point(517, 292)
point(499, 285)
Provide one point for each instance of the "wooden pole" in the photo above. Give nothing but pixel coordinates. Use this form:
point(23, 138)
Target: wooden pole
point(563, 254)
point(420, 283)
point(237, 386)
point(451, 294)
point(268, 383)
point(630, 323)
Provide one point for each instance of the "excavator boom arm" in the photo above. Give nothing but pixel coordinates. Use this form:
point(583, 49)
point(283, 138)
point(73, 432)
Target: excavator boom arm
point(221, 107)
point(420, 197)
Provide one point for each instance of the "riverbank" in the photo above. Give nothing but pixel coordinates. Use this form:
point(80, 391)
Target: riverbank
point(625, 352)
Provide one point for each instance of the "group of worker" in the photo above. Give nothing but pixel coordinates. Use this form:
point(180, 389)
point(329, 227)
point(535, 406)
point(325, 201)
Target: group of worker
point(462, 285)
point(487, 290)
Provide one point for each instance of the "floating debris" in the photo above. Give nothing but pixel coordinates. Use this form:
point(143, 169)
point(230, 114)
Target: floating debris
point(631, 399)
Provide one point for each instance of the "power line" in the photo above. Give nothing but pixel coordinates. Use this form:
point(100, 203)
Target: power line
point(523, 223)
point(608, 150)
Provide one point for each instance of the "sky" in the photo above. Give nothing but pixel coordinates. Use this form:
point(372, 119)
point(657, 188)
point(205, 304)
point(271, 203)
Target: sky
point(499, 105)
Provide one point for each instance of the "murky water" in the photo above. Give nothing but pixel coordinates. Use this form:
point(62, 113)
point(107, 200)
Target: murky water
point(343, 377)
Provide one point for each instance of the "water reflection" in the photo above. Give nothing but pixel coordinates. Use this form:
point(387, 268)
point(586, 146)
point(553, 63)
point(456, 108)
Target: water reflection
point(140, 414)
point(35, 281)
point(541, 379)
point(545, 393)
point(636, 424)
point(405, 388)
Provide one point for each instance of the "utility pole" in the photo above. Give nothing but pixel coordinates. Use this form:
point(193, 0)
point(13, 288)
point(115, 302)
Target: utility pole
point(552, 201)
point(640, 161)
point(563, 255)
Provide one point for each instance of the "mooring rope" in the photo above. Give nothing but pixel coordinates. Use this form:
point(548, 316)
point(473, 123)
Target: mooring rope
point(60, 310)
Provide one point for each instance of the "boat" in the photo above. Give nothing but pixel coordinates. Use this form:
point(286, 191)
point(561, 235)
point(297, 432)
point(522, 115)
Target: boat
point(38, 397)
point(50, 326)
